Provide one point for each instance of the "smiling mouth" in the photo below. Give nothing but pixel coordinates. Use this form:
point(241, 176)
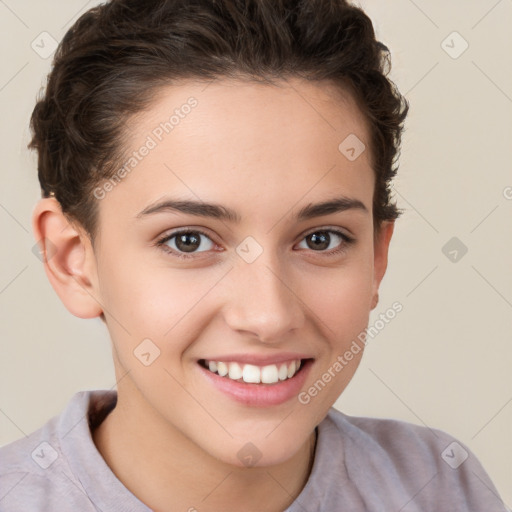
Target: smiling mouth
point(252, 374)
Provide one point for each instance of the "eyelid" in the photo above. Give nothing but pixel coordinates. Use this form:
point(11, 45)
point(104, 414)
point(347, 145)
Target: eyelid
point(336, 229)
point(178, 231)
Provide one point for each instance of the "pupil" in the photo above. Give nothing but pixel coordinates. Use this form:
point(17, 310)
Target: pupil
point(320, 240)
point(187, 242)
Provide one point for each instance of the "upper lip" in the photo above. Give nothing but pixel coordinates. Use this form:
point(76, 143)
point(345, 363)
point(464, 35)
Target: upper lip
point(258, 359)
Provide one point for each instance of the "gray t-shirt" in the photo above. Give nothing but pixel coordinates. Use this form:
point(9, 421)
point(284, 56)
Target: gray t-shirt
point(361, 464)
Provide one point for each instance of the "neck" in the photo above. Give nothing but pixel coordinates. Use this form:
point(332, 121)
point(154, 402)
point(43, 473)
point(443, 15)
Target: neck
point(168, 472)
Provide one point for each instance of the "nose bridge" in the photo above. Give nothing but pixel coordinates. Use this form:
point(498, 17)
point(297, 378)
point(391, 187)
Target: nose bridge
point(262, 300)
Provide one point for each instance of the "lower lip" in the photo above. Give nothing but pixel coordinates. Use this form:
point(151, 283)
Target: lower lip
point(260, 395)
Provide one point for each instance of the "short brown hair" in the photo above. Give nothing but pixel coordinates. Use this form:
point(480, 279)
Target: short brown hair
point(118, 55)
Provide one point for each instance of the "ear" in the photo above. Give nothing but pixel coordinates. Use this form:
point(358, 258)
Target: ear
point(68, 258)
point(382, 238)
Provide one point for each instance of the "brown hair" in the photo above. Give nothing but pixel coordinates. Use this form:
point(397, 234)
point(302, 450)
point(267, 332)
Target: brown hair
point(118, 55)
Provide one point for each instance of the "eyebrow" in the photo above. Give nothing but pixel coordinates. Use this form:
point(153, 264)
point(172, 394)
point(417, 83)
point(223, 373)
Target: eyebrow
point(216, 211)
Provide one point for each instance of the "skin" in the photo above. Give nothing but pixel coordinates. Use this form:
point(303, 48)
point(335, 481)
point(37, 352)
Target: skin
point(265, 152)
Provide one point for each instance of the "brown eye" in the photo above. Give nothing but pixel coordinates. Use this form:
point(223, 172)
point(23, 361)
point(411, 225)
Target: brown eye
point(319, 240)
point(187, 242)
point(326, 241)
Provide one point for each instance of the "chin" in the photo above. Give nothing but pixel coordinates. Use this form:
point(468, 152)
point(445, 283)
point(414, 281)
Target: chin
point(263, 452)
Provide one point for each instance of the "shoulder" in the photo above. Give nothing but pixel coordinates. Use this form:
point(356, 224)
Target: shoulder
point(35, 469)
point(396, 439)
point(413, 462)
point(32, 454)
point(42, 448)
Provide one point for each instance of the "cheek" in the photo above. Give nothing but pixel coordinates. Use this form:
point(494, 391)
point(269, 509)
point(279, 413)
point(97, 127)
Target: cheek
point(168, 306)
point(343, 303)
point(342, 297)
point(151, 298)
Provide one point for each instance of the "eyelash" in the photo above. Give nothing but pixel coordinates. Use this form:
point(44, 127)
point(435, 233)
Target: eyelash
point(334, 252)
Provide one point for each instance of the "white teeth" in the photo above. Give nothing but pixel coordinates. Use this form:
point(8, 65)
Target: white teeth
point(291, 369)
point(269, 374)
point(235, 371)
point(222, 369)
point(252, 374)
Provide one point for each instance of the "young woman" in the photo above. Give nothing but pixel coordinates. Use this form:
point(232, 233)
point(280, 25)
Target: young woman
point(215, 178)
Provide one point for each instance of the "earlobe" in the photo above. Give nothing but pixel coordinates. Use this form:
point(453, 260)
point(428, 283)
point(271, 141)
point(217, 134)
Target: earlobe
point(381, 248)
point(68, 259)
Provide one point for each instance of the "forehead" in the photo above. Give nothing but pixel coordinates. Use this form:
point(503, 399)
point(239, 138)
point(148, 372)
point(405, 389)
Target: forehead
point(245, 142)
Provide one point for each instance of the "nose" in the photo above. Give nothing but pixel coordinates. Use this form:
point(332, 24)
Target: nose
point(262, 300)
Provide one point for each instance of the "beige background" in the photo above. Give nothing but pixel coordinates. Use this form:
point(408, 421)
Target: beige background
point(445, 360)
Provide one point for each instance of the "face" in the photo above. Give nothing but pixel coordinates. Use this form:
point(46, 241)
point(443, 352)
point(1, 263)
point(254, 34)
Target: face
point(211, 258)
